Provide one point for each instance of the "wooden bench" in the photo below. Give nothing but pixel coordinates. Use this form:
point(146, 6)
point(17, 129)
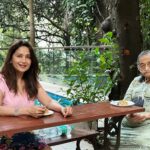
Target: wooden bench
point(77, 134)
point(96, 137)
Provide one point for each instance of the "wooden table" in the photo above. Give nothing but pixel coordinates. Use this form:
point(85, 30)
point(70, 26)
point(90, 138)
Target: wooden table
point(81, 113)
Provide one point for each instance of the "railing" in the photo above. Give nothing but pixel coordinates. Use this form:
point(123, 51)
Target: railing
point(69, 47)
point(54, 61)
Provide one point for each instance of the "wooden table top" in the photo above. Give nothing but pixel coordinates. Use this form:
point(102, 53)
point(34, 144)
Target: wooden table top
point(86, 112)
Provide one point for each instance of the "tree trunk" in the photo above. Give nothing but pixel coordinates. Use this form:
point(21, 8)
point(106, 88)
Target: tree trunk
point(127, 21)
point(101, 10)
point(31, 20)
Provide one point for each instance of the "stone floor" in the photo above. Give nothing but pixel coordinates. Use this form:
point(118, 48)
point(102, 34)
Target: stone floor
point(72, 146)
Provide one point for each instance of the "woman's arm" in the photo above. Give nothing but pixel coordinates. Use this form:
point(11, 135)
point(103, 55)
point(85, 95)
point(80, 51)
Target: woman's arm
point(47, 101)
point(146, 115)
point(52, 104)
point(34, 111)
point(139, 117)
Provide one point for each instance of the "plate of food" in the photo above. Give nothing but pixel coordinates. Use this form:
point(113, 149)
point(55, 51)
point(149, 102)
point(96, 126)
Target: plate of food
point(122, 103)
point(48, 112)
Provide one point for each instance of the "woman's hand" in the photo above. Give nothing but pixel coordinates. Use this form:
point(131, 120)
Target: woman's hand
point(36, 111)
point(66, 111)
point(137, 117)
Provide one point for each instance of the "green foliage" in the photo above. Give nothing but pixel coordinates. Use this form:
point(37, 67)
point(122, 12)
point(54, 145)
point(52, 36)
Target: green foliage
point(60, 21)
point(2, 57)
point(14, 15)
point(14, 23)
point(94, 73)
point(82, 21)
point(67, 22)
point(51, 61)
point(145, 22)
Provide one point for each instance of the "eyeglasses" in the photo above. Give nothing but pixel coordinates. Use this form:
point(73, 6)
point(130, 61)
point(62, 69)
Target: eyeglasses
point(143, 67)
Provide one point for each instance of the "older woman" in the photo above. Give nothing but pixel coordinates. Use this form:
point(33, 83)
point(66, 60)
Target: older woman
point(139, 92)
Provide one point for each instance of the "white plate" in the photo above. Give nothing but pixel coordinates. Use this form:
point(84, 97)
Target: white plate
point(115, 103)
point(49, 112)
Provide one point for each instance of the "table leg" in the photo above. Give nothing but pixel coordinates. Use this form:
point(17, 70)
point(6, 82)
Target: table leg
point(112, 127)
point(78, 144)
point(115, 123)
point(106, 127)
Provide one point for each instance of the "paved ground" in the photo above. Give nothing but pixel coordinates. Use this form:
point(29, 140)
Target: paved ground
point(72, 146)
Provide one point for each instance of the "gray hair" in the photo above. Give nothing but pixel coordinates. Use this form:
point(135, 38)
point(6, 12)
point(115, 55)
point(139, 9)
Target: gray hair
point(146, 52)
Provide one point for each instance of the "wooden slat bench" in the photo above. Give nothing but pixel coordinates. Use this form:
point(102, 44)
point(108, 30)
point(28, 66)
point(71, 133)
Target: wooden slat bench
point(96, 138)
point(77, 134)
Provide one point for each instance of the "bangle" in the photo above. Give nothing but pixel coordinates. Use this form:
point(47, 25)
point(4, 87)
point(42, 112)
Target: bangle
point(16, 111)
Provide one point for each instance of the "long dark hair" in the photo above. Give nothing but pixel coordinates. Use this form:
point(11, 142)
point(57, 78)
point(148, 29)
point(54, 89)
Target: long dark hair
point(30, 76)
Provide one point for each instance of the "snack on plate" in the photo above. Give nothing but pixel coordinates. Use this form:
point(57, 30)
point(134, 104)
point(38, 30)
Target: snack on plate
point(123, 103)
point(46, 111)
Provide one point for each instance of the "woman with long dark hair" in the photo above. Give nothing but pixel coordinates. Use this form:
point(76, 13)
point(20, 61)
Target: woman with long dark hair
point(19, 87)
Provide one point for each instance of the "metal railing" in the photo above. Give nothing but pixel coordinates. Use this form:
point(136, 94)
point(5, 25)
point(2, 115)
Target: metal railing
point(56, 60)
point(69, 47)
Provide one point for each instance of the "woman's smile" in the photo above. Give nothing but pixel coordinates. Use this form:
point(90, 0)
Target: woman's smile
point(21, 59)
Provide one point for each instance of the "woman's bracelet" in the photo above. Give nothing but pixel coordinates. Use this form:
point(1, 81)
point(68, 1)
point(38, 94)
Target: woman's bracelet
point(16, 112)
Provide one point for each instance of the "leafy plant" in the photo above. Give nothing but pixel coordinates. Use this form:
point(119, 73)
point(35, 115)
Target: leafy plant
point(93, 73)
point(145, 22)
